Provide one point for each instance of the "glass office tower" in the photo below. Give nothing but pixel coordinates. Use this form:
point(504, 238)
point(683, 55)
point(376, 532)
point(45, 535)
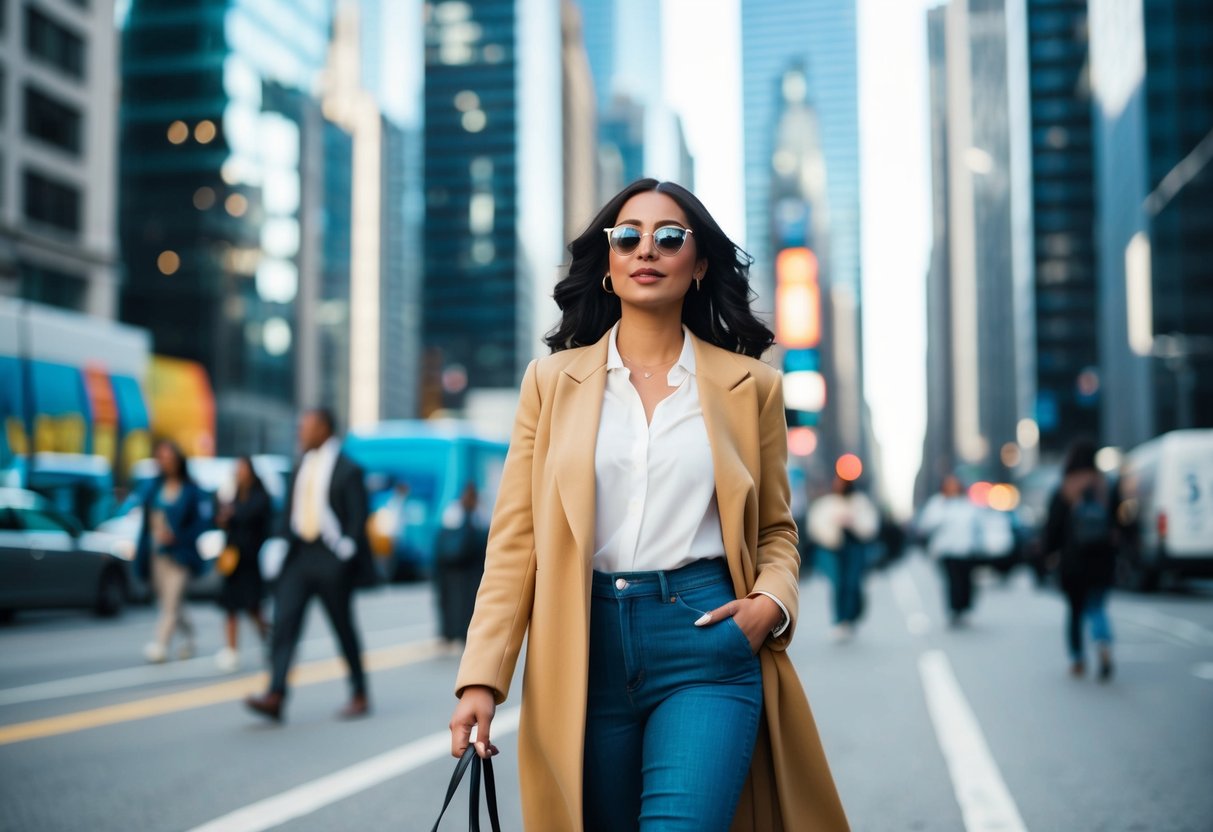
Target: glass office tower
point(231, 190)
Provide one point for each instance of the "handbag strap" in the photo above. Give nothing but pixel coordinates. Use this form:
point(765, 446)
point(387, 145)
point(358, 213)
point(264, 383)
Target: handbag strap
point(471, 759)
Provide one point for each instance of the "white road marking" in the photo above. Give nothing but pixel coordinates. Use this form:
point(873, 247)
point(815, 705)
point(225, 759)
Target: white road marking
point(310, 797)
point(202, 667)
point(1204, 670)
point(985, 802)
point(1181, 629)
point(909, 599)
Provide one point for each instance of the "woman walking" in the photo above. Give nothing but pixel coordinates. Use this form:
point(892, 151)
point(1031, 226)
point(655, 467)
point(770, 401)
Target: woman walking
point(175, 512)
point(1078, 537)
point(247, 520)
point(951, 522)
point(845, 523)
point(643, 544)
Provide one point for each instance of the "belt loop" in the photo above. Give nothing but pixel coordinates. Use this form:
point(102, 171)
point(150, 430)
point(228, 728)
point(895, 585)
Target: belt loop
point(665, 586)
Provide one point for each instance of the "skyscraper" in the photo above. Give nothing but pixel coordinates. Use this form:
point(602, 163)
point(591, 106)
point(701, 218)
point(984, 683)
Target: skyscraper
point(493, 168)
point(989, 233)
point(639, 134)
point(1152, 78)
point(939, 444)
point(816, 43)
point(580, 124)
point(1063, 201)
point(383, 310)
point(819, 35)
point(225, 210)
point(58, 146)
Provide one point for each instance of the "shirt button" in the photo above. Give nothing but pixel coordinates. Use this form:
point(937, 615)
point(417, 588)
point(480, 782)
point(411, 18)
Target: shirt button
point(621, 584)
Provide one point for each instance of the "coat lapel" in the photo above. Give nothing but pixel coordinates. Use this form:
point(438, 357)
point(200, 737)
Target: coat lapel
point(728, 396)
point(577, 407)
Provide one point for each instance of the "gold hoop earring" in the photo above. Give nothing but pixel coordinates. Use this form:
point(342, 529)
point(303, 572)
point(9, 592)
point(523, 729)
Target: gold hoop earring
point(606, 288)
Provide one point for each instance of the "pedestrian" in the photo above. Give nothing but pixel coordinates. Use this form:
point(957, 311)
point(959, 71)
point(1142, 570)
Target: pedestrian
point(327, 556)
point(1079, 539)
point(459, 564)
point(844, 523)
point(387, 532)
point(175, 511)
point(951, 523)
point(247, 520)
point(643, 544)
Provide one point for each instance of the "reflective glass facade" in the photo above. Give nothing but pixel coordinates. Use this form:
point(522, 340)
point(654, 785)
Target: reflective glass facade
point(223, 197)
point(1152, 69)
point(821, 36)
point(1063, 199)
point(1179, 117)
point(476, 316)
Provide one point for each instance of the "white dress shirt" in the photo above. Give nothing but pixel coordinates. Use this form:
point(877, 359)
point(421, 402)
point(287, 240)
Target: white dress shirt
point(655, 483)
point(319, 463)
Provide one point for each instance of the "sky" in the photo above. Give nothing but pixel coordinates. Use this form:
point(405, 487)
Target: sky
point(702, 68)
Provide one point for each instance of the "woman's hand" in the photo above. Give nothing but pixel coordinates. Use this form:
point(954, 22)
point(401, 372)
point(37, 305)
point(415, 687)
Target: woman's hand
point(756, 616)
point(476, 707)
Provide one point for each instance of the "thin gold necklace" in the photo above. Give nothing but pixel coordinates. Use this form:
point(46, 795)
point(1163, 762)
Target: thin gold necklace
point(644, 367)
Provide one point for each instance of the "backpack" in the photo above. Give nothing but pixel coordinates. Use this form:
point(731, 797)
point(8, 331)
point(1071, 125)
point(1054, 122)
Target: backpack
point(1090, 524)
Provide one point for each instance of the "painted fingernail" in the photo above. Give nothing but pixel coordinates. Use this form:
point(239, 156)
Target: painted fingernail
point(706, 618)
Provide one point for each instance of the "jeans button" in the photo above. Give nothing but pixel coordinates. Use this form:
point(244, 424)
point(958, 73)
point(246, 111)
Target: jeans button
point(621, 584)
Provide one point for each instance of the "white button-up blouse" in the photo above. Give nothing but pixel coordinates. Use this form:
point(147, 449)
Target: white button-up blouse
point(655, 483)
point(656, 495)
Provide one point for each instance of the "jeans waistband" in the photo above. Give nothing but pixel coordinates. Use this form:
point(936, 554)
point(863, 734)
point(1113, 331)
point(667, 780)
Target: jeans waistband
point(662, 583)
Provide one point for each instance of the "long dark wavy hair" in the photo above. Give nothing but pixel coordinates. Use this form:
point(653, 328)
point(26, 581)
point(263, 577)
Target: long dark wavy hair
point(719, 312)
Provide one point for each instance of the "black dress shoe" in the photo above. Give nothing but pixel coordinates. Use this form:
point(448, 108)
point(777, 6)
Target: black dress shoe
point(269, 705)
point(358, 706)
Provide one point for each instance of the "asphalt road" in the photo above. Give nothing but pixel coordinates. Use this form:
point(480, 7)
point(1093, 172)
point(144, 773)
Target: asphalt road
point(926, 728)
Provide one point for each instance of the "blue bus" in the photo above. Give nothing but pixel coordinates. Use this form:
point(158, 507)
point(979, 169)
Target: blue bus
point(415, 470)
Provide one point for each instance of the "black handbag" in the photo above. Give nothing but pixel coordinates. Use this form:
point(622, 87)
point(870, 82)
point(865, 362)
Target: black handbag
point(471, 759)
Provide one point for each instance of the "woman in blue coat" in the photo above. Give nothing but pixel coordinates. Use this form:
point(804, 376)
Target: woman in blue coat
point(175, 512)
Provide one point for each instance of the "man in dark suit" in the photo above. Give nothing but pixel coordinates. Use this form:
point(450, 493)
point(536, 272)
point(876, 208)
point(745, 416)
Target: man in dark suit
point(328, 554)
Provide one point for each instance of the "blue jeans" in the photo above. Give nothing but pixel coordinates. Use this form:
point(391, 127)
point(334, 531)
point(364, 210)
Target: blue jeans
point(850, 564)
point(1087, 604)
point(672, 709)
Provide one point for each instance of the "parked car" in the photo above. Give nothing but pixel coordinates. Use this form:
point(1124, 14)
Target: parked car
point(215, 475)
point(47, 561)
point(1165, 509)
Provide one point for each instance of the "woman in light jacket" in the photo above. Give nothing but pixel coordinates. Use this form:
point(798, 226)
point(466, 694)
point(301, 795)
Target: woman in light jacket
point(845, 523)
point(951, 523)
point(642, 542)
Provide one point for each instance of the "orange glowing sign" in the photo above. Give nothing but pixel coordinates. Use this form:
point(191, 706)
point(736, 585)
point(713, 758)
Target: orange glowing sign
point(797, 299)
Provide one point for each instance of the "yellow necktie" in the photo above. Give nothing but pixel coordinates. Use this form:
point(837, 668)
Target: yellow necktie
point(309, 517)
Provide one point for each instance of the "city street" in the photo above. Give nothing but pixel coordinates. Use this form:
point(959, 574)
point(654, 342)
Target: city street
point(926, 728)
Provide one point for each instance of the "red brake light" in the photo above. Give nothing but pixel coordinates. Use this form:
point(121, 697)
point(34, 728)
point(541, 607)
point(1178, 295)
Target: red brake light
point(1162, 524)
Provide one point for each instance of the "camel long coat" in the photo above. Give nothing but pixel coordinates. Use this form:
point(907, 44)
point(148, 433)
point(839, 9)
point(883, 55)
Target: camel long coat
point(538, 572)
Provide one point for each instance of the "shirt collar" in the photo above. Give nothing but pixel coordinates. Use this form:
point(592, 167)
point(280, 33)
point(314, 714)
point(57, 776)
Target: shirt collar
point(329, 450)
point(683, 367)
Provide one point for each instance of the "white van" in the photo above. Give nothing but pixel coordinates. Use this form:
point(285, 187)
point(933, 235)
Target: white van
point(1166, 491)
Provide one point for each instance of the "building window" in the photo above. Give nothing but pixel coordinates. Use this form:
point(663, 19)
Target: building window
point(51, 121)
point(52, 203)
point(50, 42)
point(53, 287)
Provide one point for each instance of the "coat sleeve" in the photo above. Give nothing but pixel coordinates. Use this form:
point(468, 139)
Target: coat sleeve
point(507, 590)
point(777, 560)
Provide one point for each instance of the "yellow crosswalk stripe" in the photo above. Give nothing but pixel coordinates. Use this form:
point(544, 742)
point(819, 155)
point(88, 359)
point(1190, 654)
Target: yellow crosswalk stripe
point(311, 673)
